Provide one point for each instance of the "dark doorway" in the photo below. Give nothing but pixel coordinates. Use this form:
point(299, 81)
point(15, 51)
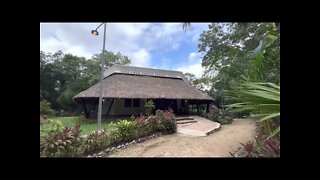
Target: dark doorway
point(165, 104)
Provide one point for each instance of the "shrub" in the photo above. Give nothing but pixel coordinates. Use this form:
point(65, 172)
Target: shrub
point(217, 115)
point(224, 118)
point(160, 119)
point(152, 123)
point(258, 148)
point(61, 143)
point(149, 107)
point(96, 141)
point(142, 126)
point(166, 121)
point(126, 129)
point(45, 108)
point(115, 137)
point(169, 122)
point(49, 128)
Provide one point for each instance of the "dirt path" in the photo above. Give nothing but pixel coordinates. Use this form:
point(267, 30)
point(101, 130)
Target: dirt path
point(218, 144)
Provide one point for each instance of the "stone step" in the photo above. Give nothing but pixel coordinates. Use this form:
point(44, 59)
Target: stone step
point(186, 121)
point(184, 118)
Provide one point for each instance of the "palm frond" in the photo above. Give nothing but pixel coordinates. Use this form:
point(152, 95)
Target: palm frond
point(275, 132)
point(256, 97)
point(273, 115)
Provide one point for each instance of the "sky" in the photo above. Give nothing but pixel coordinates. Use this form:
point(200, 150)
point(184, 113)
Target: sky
point(151, 45)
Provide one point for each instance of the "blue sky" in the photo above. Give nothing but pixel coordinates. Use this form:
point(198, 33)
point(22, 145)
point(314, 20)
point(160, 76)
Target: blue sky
point(151, 45)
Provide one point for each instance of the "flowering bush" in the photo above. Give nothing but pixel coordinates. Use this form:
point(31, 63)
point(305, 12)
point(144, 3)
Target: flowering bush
point(61, 143)
point(166, 121)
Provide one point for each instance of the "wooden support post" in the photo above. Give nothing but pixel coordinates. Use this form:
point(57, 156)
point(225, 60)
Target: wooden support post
point(198, 110)
point(111, 103)
point(207, 107)
point(86, 114)
point(187, 107)
point(94, 109)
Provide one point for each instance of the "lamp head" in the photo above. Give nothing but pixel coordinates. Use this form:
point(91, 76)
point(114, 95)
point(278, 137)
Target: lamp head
point(95, 32)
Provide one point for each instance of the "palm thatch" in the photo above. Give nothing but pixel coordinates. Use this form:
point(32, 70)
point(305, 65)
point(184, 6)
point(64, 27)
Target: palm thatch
point(119, 85)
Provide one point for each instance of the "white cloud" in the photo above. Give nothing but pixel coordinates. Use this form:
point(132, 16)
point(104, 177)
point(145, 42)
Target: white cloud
point(195, 69)
point(193, 65)
point(192, 55)
point(141, 58)
point(53, 45)
point(144, 43)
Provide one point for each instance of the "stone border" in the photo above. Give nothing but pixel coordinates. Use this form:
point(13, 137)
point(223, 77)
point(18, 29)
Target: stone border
point(113, 149)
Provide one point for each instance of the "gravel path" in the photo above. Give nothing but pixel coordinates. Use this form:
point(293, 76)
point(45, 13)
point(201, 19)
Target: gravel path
point(218, 144)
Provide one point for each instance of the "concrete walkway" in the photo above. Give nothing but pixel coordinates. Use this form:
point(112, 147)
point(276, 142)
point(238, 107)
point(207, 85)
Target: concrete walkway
point(217, 144)
point(202, 127)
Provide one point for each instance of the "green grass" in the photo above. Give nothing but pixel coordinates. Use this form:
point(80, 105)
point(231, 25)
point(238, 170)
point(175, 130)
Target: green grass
point(87, 126)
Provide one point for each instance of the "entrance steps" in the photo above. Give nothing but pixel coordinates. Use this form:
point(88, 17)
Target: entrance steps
point(185, 119)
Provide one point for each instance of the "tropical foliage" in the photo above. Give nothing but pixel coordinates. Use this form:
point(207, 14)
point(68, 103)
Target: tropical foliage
point(149, 105)
point(233, 51)
point(62, 76)
point(242, 64)
point(59, 141)
point(263, 99)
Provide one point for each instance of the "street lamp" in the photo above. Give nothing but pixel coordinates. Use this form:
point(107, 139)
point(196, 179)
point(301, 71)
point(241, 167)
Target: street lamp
point(96, 33)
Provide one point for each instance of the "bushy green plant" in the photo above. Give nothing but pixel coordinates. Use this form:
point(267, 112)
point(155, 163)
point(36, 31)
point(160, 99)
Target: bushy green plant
point(64, 143)
point(132, 118)
point(96, 141)
point(126, 130)
point(49, 128)
point(115, 137)
point(45, 108)
point(149, 105)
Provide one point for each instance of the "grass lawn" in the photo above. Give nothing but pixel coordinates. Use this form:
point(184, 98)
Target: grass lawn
point(87, 126)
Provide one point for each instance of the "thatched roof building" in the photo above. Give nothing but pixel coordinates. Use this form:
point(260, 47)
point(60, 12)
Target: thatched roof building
point(126, 82)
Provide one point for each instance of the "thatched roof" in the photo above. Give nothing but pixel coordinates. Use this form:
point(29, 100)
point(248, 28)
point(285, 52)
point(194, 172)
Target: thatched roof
point(144, 72)
point(125, 85)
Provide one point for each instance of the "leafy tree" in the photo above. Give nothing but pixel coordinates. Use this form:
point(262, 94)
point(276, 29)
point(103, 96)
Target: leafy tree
point(110, 58)
point(237, 51)
point(45, 108)
point(190, 77)
point(62, 76)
